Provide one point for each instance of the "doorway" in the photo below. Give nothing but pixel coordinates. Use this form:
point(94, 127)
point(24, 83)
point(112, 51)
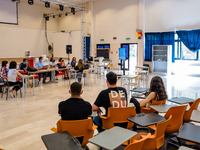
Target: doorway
point(131, 56)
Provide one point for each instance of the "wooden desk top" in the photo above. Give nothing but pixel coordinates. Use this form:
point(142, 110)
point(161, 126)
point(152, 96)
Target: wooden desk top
point(147, 119)
point(190, 132)
point(195, 116)
point(112, 138)
point(131, 76)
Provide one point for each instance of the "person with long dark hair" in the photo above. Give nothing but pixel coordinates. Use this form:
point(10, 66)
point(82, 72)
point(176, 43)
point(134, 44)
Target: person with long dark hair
point(156, 93)
point(13, 74)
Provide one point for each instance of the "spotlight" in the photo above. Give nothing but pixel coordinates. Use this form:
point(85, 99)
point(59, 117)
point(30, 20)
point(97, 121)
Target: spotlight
point(30, 2)
point(73, 10)
point(54, 16)
point(60, 15)
point(47, 4)
point(47, 18)
point(61, 7)
point(65, 14)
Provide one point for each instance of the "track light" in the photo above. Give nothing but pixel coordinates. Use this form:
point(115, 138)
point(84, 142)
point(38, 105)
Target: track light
point(47, 18)
point(73, 10)
point(30, 2)
point(60, 15)
point(54, 16)
point(61, 7)
point(65, 14)
point(47, 4)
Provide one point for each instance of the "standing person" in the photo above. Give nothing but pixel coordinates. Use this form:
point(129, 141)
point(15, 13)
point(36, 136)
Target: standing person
point(40, 66)
point(157, 92)
point(61, 64)
point(79, 68)
point(3, 71)
point(13, 74)
point(114, 96)
point(73, 62)
point(75, 108)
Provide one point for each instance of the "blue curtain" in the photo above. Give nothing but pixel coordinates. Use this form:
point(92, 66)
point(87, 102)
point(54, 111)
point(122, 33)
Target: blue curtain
point(191, 39)
point(87, 47)
point(160, 38)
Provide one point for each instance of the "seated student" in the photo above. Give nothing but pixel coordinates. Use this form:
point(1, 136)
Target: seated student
point(53, 65)
point(73, 62)
point(40, 66)
point(3, 71)
point(79, 68)
point(23, 69)
point(114, 96)
point(156, 93)
point(13, 74)
point(61, 64)
point(74, 108)
point(24, 64)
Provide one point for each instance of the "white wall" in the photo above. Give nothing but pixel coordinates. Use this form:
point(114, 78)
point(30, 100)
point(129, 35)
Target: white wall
point(116, 18)
point(170, 15)
point(29, 34)
point(60, 41)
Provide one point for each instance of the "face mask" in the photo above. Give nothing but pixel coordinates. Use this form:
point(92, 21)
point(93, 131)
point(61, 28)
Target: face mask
point(53, 60)
point(26, 63)
point(62, 60)
point(74, 59)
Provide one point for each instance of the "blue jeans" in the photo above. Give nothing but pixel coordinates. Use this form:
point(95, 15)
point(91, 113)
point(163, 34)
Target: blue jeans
point(98, 122)
point(79, 76)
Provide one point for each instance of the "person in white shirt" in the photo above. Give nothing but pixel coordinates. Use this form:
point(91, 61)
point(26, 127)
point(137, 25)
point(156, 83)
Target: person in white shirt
point(13, 74)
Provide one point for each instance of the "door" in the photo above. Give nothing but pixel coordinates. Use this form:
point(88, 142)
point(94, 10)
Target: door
point(131, 56)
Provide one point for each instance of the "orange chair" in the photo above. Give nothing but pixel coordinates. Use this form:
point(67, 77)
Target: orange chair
point(150, 110)
point(194, 106)
point(156, 140)
point(78, 128)
point(137, 144)
point(177, 113)
point(118, 117)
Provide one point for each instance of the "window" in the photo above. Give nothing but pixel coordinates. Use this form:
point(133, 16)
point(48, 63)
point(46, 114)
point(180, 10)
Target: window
point(182, 52)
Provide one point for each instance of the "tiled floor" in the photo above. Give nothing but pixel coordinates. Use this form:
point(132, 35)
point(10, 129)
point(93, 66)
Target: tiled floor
point(24, 120)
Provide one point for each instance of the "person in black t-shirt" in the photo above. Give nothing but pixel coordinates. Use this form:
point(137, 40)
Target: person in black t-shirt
point(75, 108)
point(24, 64)
point(114, 96)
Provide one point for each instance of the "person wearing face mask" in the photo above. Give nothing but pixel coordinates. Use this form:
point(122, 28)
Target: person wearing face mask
point(53, 65)
point(24, 64)
point(61, 64)
point(114, 96)
point(73, 62)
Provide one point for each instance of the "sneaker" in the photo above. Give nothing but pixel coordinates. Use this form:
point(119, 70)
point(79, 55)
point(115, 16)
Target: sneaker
point(11, 94)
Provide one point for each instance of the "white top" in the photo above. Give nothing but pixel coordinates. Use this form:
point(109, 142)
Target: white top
point(12, 75)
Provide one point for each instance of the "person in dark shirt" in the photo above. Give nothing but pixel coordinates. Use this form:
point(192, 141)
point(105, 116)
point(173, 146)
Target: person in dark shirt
point(75, 108)
point(24, 64)
point(114, 96)
point(73, 62)
point(79, 68)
